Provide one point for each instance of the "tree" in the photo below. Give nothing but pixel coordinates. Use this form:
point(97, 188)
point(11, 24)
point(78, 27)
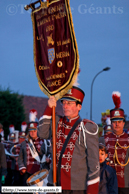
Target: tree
point(11, 110)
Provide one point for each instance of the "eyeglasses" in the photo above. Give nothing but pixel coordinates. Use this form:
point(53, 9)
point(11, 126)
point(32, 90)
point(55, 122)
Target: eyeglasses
point(68, 103)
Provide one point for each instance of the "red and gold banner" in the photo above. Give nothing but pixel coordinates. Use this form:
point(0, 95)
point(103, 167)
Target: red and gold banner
point(55, 49)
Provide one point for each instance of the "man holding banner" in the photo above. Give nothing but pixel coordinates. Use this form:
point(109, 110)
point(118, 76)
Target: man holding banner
point(56, 60)
point(77, 158)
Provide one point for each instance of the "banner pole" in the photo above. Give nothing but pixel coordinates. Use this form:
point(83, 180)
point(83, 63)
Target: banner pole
point(32, 5)
point(54, 144)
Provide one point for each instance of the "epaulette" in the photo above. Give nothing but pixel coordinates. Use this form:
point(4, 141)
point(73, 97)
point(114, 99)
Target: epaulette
point(88, 121)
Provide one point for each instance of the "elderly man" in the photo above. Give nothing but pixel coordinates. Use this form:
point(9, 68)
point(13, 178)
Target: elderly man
point(117, 144)
point(78, 169)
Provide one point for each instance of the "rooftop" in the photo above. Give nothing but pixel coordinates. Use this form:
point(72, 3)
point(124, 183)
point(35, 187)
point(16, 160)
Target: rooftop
point(39, 104)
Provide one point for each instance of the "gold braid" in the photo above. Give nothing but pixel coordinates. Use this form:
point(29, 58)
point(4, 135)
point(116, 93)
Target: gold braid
point(116, 155)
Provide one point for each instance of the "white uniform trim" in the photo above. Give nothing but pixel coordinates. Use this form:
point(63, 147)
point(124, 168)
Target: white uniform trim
point(91, 182)
point(45, 117)
point(22, 168)
point(84, 130)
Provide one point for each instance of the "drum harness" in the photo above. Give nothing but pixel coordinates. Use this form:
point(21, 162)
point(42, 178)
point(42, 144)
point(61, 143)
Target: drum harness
point(35, 154)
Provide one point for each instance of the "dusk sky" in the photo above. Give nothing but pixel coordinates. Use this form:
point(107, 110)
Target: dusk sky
point(102, 34)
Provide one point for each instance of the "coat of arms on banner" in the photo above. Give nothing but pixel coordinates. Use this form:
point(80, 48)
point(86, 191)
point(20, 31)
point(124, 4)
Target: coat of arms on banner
point(51, 55)
point(55, 49)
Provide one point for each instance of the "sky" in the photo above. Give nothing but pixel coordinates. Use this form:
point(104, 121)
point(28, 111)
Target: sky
point(102, 33)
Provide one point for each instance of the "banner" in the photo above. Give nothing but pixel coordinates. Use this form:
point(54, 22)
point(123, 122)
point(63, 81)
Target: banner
point(55, 49)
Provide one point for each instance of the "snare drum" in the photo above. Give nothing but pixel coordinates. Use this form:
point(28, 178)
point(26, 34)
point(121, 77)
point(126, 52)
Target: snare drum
point(38, 179)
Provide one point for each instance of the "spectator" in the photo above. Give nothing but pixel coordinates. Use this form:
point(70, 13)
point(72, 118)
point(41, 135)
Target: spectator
point(108, 179)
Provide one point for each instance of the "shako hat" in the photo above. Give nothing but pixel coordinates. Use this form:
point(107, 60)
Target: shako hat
point(117, 113)
point(22, 134)
point(74, 94)
point(12, 136)
point(107, 128)
point(32, 126)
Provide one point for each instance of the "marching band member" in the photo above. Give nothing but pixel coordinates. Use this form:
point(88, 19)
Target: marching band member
point(22, 133)
point(117, 144)
point(32, 153)
point(7, 146)
point(14, 152)
point(11, 130)
point(13, 148)
point(78, 170)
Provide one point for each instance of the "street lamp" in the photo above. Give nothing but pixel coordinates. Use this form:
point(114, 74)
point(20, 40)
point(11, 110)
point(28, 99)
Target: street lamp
point(105, 69)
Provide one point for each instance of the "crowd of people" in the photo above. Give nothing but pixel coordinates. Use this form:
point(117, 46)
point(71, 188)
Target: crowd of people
point(85, 162)
point(25, 153)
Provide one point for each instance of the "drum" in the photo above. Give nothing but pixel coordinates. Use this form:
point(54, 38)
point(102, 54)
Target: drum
point(38, 179)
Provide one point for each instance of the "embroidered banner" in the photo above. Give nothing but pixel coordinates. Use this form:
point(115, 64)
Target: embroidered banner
point(55, 49)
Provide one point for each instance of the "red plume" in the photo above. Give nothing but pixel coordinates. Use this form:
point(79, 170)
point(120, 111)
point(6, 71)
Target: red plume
point(116, 99)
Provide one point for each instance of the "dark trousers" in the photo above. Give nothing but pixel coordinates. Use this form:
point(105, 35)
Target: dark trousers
point(16, 178)
point(8, 179)
point(123, 190)
point(25, 176)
